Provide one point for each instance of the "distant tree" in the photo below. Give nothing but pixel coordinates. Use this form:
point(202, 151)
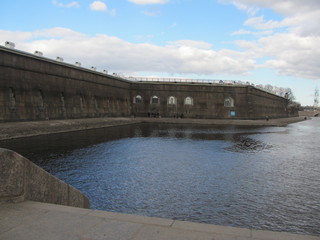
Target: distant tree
point(282, 91)
point(268, 87)
point(289, 95)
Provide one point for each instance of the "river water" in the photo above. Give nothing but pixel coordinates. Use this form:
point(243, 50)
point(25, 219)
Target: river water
point(254, 177)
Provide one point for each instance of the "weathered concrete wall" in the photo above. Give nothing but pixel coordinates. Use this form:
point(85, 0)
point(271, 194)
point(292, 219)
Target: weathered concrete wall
point(262, 104)
point(37, 88)
point(208, 101)
point(22, 180)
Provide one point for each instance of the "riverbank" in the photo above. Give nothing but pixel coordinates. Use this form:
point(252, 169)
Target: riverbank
point(279, 122)
point(10, 130)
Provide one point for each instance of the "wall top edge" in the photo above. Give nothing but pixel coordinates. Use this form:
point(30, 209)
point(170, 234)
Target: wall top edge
point(52, 61)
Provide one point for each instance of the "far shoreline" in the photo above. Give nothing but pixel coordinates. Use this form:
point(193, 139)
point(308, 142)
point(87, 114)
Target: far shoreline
point(12, 130)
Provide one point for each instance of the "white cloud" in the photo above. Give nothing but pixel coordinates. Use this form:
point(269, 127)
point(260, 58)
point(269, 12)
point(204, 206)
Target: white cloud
point(65, 5)
point(290, 54)
point(192, 44)
point(152, 13)
point(294, 55)
point(301, 17)
point(144, 2)
point(284, 7)
point(260, 23)
point(107, 52)
point(102, 7)
point(290, 44)
point(288, 7)
point(247, 32)
point(98, 6)
point(250, 10)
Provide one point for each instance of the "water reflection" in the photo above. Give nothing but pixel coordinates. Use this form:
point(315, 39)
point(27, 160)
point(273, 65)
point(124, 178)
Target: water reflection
point(263, 178)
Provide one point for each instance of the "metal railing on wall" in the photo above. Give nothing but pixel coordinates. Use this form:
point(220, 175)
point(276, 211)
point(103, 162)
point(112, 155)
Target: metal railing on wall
point(186, 80)
point(203, 81)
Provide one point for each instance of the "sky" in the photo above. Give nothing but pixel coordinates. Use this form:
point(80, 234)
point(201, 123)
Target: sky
point(274, 42)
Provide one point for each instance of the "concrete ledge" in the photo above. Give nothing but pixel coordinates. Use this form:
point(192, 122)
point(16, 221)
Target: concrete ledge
point(132, 218)
point(277, 122)
point(198, 227)
point(22, 180)
point(10, 130)
point(34, 221)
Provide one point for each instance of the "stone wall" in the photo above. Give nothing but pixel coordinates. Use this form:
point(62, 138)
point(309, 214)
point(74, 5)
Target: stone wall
point(22, 180)
point(206, 101)
point(38, 88)
point(263, 104)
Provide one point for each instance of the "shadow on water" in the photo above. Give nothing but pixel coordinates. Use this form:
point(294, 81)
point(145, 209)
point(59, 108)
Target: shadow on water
point(254, 177)
point(64, 143)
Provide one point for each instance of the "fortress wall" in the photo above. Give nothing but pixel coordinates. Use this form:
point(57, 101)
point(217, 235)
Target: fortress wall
point(265, 104)
point(208, 101)
point(35, 88)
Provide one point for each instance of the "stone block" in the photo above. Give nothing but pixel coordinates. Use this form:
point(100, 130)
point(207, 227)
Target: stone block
point(132, 218)
point(11, 176)
point(113, 230)
point(21, 180)
point(160, 233)
point(212, 228)
point(76, 199)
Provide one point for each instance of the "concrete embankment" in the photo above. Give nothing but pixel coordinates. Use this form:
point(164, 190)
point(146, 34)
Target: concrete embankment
point(33, 220)
point(22, 180)
point(11, 130)
point(271, 122)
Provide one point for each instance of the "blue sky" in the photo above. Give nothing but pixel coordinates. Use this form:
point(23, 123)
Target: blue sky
point(274, 42)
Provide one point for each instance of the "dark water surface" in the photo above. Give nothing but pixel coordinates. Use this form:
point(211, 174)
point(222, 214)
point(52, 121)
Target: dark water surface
point(262, 178)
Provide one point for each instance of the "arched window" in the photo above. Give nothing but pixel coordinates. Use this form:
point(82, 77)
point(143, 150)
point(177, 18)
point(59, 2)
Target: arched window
point(188, 101)
point(82, 102)
point(95, 102)
point(228, 102)
point(12, 98)
point(62, 100)
point(172, 100)
point(137, 99)
point(40, 98)
point(155, 100)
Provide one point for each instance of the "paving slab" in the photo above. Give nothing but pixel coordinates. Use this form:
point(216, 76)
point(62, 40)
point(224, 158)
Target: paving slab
point(212, 228)
point(113, 230)
point(55, 207)
point(160, 233)
point(12, 216)
point(133, 218)
point(38, 221)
